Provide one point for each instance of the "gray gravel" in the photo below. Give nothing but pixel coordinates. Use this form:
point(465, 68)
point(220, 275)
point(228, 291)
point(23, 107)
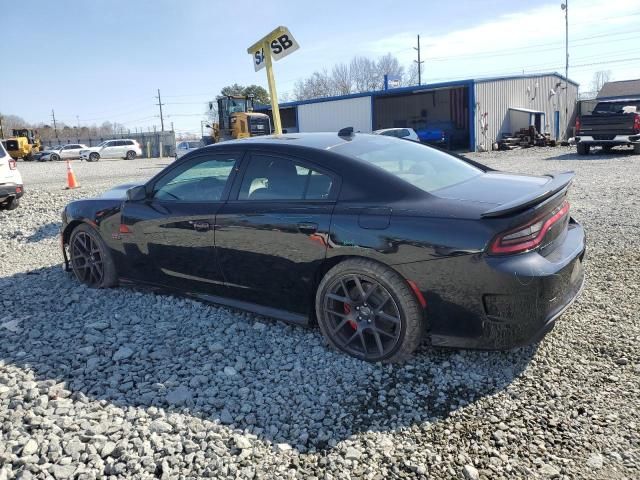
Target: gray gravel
point(126, 383)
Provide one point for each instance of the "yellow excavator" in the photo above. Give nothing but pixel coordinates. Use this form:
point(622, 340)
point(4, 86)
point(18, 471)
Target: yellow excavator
point(236, 119)
point(23, 144)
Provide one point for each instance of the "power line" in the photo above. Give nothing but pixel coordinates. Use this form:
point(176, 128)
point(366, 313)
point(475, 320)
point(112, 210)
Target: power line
point(503, 52)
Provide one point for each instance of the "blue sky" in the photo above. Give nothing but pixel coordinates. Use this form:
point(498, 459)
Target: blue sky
point(103, 60)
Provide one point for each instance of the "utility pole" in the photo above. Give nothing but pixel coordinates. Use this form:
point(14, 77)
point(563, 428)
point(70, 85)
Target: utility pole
point(1, 128)
point(55, 127)
point(419, 62)
point(160, 105)
point(566, 65)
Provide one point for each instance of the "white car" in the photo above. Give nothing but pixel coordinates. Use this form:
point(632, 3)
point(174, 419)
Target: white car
point(406, 133)
point(185, 147)
point(11, 187)
point(124, 148)
point(64, 152)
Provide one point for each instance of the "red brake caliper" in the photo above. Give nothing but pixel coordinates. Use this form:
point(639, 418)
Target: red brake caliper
point(347, 310)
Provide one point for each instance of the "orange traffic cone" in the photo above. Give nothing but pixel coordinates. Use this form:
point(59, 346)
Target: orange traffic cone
point(71, 178)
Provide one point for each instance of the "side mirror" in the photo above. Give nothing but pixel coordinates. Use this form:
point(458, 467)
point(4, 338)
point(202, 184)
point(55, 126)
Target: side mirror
point(136, 194)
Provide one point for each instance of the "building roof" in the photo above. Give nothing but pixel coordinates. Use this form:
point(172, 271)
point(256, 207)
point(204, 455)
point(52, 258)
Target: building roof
point(620, 89)
point(415, 89)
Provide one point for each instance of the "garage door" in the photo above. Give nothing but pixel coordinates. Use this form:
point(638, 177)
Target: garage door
point(336, 114)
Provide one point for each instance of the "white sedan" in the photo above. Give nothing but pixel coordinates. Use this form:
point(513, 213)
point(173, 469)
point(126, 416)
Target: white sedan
point(64, 152)
point(406, 133)
point(185, 147)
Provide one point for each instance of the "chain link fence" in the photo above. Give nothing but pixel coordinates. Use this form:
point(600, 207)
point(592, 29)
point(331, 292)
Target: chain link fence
point(153, 144)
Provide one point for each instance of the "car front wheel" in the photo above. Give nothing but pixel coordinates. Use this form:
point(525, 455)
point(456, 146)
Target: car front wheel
point(54, 157)
point(94, 157)
point(90, 258)
point(369, 311)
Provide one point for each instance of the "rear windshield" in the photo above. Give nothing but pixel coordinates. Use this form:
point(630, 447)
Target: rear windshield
point(616, 107)
point(422, 166)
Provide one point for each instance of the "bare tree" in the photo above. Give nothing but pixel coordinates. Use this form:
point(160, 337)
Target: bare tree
point(362, 74)
point(599, 79)
point(341, 78)
point(388, 65)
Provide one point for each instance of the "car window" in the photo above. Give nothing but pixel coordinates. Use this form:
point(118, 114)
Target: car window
point(194, 144)
point(403, 133)
point(274, 178)
point(127, 142)
point(422, 166)
point(202, 180)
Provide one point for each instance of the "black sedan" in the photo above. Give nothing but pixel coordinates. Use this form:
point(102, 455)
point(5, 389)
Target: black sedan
point(379, 240)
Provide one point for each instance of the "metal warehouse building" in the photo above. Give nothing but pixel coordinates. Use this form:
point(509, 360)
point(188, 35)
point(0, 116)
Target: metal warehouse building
point(474, 113)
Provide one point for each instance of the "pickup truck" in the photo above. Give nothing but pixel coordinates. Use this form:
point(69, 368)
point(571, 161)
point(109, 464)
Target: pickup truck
point(612, 123)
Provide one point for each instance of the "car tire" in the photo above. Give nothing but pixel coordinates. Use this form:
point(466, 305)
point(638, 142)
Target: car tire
point(130, 155)
point(11, 204)
point(90, 258)
point(54, 158)
point(368, 310)
point(583, 148)
point(636, 148)
point(94, 157)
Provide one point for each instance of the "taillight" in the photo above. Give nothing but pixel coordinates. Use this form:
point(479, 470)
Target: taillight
point(578, 124)
point(12, 165)
point(636, 123)
point(529, 236)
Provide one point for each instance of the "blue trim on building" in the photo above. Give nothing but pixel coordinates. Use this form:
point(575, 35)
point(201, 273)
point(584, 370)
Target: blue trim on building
point(472, 115)
point(411, 89)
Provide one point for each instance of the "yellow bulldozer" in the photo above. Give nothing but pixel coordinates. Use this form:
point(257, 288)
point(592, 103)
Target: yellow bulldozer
point(23, 144)
point(236, 119)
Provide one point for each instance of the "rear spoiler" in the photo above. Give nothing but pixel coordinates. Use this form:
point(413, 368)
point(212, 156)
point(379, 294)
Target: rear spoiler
point(558, 183)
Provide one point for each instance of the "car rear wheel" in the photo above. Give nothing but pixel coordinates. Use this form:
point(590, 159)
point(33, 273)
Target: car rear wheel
point(94, 157)
point(11, 204)
point(131, 155)
point(583, 148)
point(91, 260)
point(369, 311)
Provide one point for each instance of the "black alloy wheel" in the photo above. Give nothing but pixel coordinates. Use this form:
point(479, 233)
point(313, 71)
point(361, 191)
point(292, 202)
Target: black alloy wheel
point(54, 157)
point(90, 260)
point(131, 155)
point(369, 312)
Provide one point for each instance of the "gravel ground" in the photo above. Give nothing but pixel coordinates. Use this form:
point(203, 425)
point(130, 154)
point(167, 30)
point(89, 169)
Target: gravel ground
point(126, 383)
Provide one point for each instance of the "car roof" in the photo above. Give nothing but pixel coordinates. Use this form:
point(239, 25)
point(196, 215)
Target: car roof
point(317, 140)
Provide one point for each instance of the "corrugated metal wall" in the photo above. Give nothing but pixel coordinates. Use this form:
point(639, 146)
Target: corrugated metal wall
point(496, 96)
point(336, 114)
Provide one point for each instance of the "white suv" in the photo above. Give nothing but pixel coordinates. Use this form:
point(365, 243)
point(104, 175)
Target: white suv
point(125, 148)
point(11, 188)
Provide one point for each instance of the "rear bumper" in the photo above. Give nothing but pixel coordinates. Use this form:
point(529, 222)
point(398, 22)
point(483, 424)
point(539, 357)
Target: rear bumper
point(14, 190)
point(498, 303)
point(615, 140)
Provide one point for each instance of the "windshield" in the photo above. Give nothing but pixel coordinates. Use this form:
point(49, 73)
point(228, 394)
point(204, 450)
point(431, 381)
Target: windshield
point(422, 166)
point(616, 107)
point(102, 144)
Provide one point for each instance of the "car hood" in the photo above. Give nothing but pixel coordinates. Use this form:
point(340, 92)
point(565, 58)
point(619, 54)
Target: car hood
point(119, 192)
point(493, 188)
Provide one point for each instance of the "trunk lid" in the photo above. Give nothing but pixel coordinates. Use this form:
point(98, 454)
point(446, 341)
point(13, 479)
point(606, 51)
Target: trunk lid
point(607, 124)
point(502, 194)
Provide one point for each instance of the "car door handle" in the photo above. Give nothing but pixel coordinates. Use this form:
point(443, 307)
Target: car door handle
point(200, 226)
point(308, 227)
